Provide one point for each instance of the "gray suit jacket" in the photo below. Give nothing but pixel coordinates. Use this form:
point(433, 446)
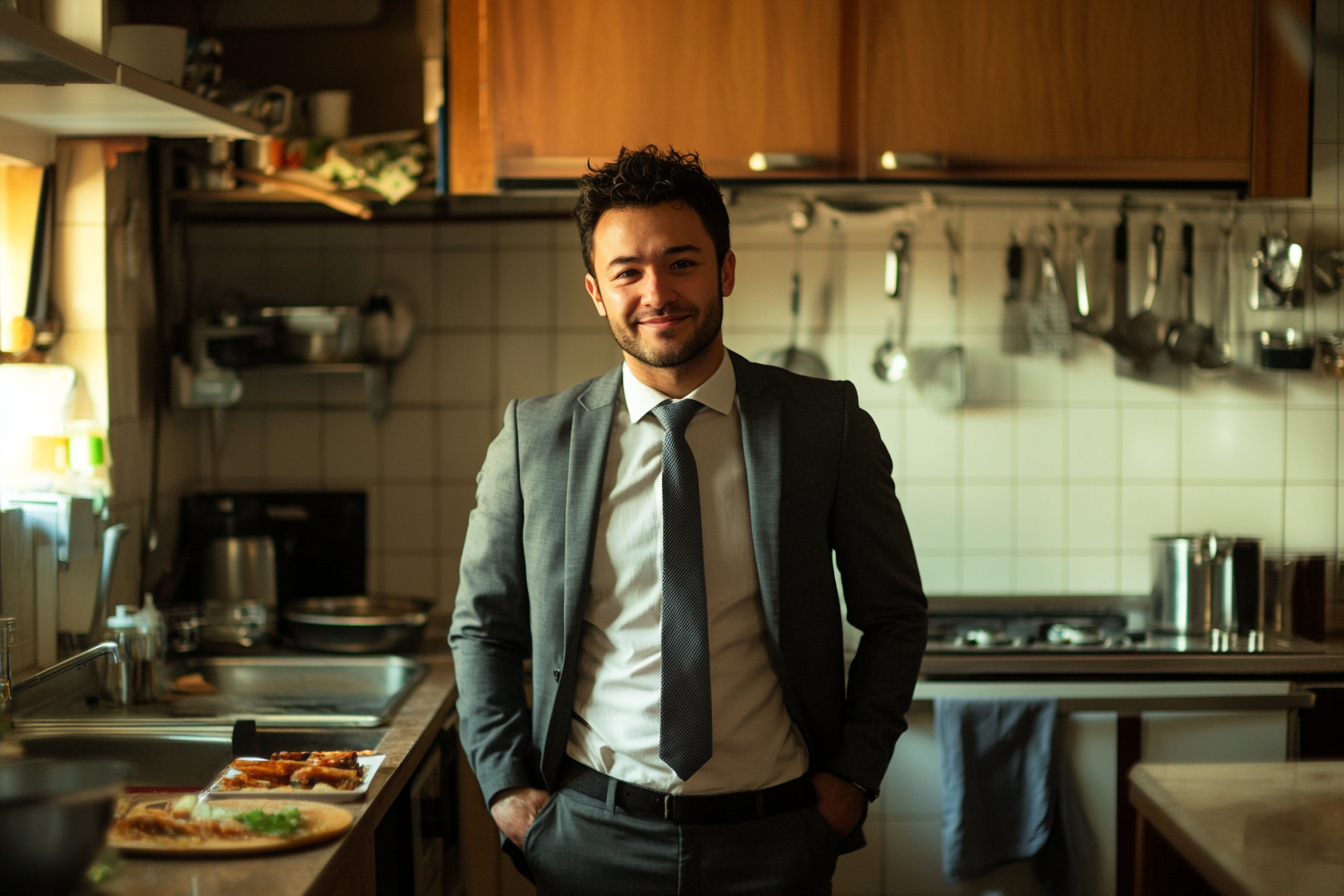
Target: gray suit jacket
point(819, 481)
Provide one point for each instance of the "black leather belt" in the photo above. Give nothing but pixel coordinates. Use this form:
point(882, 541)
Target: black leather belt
point(719, 808)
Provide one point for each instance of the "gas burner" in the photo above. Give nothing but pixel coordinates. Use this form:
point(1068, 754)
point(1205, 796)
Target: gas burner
point(987, 637)
point(1078, 632)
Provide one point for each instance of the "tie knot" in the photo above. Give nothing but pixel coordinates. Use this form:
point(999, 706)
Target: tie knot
point(676, 415)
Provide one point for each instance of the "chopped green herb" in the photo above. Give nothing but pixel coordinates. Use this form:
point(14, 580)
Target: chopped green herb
point(286, 821)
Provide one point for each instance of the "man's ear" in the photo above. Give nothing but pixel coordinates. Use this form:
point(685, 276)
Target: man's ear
point(728, 273)
point(595, 293)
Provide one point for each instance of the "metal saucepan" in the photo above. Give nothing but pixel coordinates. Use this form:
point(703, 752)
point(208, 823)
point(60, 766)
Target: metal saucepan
point(357, 624)
point(890, 362)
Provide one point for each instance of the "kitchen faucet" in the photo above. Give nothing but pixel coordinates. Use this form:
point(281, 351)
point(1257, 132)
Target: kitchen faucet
point(79, 660)
point(72, 643)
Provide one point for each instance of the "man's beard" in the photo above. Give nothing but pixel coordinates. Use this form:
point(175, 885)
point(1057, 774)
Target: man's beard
point(706, 324)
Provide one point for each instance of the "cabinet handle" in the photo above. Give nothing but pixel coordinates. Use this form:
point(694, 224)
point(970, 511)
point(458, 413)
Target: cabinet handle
point(893, 161)
point(781, 161)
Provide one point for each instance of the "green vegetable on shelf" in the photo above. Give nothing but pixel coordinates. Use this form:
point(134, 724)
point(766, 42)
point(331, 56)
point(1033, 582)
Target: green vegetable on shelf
point(286, 821)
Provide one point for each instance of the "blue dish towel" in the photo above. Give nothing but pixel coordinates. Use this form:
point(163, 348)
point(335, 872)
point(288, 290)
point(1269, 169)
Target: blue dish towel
point(1009, 794)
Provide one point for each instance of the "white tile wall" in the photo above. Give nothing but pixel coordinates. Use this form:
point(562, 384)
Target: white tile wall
point(1051, 479)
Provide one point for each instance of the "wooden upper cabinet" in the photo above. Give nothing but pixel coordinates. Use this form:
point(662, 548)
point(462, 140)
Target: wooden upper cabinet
point(1089, 91)
point(1078, 90)
point(561, 83)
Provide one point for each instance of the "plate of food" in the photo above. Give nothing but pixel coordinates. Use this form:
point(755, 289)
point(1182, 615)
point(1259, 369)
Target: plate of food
point(193, 827)
point(330, 776)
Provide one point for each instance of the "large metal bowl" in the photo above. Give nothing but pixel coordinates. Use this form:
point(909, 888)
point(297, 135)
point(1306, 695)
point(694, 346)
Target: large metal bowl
point(357, 624)
point(54, 817)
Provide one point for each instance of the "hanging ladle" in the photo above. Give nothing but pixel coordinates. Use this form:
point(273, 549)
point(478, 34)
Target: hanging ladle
point(890, 363)
point(799, 360)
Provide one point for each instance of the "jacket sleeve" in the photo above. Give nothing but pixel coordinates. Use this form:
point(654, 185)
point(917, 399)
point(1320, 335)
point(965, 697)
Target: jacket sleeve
point(883, 599)
point(491, 633)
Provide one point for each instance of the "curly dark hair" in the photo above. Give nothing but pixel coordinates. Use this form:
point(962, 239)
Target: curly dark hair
point(645, 177)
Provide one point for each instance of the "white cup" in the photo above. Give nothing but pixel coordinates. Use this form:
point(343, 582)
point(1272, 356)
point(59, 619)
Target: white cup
point(329, 113)
point(156, 50)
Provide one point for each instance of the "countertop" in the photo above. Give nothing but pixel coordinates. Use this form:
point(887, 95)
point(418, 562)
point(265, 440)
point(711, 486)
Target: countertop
point(342, 866)
point(1251, 829)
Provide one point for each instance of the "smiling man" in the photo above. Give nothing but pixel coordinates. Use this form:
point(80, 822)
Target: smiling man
point(662, 542)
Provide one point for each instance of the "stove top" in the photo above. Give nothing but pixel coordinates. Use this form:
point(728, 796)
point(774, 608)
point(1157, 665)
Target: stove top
point(1086, 633)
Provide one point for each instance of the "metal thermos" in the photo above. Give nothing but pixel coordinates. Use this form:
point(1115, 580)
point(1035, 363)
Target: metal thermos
point(1239, 587)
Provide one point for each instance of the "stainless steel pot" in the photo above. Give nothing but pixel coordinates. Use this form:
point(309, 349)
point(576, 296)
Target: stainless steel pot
point(54, 817)
point(1182, 584)
point(358, 624)
point(239, 591)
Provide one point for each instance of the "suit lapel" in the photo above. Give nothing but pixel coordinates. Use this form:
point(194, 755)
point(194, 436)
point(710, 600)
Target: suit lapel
point(589, 434)
point(760, 409)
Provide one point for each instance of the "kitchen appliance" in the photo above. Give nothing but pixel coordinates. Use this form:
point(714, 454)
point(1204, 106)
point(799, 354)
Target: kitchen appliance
point(245, 552)
point(54, 817)
point(1035, 631)
point(1062, 626)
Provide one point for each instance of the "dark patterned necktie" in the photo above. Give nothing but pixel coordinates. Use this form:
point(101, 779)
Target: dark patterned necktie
point(685, 735)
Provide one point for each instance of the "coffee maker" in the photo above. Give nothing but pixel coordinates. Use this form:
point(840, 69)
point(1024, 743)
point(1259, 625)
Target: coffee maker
point(247, 554)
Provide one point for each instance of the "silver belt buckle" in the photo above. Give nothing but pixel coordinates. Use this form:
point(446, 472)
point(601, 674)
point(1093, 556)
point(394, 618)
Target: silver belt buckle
point(667, 805)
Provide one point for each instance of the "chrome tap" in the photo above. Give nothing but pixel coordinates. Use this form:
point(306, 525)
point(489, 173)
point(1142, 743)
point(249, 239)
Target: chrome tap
point(106, 648)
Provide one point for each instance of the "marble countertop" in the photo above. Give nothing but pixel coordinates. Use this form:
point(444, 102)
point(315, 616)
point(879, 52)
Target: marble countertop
point(1251, 829)
point(339, 867)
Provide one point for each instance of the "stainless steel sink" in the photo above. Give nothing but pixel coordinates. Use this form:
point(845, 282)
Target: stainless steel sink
point(301, 691)
point(273, 691)
point(186, 756)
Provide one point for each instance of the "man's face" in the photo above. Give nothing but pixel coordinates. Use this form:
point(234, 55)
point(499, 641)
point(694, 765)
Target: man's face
point(658, 284)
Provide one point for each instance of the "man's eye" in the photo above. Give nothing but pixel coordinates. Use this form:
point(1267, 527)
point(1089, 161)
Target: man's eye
point(683, 263)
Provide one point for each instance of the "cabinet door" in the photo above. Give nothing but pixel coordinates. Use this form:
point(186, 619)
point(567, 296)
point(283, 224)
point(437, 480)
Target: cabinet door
point(1157, 90)
point(570, 81)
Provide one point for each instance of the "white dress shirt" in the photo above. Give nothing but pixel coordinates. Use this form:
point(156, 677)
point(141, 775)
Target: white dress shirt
point(615, 727)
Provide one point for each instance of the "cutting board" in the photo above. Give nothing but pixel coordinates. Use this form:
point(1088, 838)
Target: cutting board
point(321, 822)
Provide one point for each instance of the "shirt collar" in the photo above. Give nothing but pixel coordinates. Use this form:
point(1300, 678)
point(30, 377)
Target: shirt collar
point(717, 392)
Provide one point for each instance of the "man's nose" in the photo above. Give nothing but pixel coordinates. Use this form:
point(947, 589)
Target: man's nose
point(658, 291)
